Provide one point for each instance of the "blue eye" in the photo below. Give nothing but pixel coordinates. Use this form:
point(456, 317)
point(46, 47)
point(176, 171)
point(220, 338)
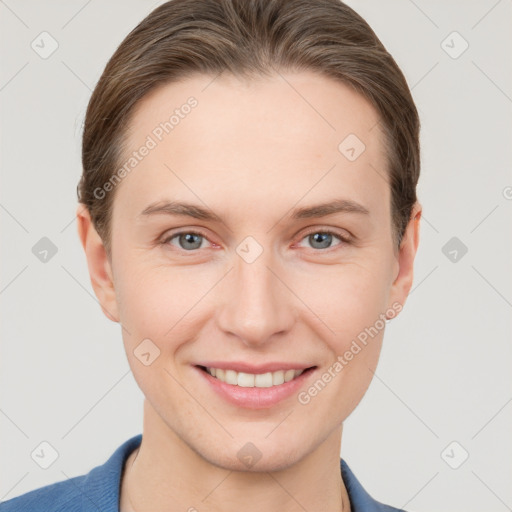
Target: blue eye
point(188, 240)
point(324, 240)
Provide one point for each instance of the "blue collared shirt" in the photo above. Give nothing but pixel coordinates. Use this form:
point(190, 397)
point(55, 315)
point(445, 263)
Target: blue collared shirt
point(98, 490)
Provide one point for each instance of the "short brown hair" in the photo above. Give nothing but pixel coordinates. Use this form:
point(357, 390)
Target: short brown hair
point(248, 38)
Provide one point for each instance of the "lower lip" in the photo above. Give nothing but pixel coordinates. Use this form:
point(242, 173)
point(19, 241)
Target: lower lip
point(255, 398)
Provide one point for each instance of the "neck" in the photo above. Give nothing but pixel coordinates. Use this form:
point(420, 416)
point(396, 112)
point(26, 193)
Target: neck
point(164, 474)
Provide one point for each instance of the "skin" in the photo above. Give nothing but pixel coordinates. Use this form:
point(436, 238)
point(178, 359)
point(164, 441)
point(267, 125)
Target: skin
point(251, 151)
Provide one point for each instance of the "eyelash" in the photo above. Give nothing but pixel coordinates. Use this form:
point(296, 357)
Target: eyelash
point(343, 239)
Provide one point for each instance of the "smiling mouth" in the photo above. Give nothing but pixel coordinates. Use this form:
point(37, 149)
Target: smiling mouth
point(254, 380)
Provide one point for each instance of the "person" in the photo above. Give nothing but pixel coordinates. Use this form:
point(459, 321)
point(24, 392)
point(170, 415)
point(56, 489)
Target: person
point(249, 216)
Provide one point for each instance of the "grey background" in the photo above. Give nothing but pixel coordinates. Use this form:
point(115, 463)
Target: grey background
point(444, 373)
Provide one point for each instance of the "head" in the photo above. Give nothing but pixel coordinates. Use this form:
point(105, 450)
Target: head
point(251, 112)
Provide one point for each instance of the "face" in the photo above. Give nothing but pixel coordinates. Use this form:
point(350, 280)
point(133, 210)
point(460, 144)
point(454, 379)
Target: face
point(261, 282)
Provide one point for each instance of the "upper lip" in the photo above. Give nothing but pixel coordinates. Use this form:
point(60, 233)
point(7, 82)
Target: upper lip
point(240, 366)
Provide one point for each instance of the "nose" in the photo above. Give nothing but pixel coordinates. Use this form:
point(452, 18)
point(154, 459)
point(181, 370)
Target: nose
point(257, 305)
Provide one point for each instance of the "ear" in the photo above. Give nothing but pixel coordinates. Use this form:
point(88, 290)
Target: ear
point(405, 258)
point(100, 270)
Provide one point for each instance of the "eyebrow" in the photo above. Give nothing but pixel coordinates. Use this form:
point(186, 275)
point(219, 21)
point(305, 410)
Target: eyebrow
point(186, 209)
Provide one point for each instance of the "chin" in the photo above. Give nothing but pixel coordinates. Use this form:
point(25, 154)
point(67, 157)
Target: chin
point(254, 457)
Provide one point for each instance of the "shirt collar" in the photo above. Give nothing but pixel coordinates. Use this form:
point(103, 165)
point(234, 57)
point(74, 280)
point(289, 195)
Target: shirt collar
point(360, 500)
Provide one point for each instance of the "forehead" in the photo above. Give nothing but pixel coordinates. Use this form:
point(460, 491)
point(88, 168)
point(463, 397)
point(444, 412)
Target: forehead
point(290, 134)
point(315, 109)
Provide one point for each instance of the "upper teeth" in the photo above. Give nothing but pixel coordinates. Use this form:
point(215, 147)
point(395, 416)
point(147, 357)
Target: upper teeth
point(251, 380)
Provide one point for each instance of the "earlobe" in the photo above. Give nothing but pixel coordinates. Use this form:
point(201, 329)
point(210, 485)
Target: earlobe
point(100, 271)
point(406, 255)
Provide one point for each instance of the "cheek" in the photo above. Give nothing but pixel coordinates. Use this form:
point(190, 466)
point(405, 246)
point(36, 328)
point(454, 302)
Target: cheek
point(157, 302)
point(346, 298)
point(352, 304)
point(156, 307)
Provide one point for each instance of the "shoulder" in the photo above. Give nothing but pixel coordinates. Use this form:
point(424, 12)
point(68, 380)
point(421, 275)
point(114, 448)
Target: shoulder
point(360, 499)
point(55, 497)
point(96, 490)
